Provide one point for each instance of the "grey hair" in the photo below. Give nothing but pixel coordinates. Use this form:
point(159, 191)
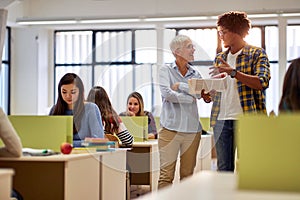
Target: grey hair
point(178, 42)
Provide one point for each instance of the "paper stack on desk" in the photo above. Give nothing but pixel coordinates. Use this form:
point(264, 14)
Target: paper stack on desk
point(197, 85)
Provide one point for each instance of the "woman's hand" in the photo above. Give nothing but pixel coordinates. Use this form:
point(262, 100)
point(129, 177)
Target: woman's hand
point(130, 113)
point(206, 96)
point(175, 86)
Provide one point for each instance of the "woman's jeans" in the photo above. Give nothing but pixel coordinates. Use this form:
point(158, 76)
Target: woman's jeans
point(224, 135)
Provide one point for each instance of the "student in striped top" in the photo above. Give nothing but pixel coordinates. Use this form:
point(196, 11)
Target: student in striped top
point(112, 123)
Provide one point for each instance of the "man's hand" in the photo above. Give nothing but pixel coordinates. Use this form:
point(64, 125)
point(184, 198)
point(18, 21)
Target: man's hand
point(224, 67)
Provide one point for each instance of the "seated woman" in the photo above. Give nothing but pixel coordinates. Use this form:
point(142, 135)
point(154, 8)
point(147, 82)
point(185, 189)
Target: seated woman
point(87, 120)
point(291, 89)
point(135, 107)
point(111, 121)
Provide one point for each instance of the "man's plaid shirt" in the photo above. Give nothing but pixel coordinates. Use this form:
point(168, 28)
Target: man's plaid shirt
point(253, 61)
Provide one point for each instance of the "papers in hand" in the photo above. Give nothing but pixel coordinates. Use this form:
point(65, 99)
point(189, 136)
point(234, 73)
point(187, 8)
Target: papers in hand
point(197, 85)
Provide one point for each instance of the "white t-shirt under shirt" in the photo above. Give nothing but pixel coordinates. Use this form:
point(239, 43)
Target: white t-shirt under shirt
point(230, 101)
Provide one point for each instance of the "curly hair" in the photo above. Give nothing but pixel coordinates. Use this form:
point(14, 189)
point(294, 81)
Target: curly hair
point(236, 22)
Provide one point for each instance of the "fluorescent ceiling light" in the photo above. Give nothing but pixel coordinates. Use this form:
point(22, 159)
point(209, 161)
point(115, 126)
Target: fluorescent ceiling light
point(100, 21)
point(161, 19)
point(45, 22)
point(290, 15)
point(262, 15)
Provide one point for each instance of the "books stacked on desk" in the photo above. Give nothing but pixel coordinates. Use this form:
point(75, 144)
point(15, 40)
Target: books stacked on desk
point(91, 145)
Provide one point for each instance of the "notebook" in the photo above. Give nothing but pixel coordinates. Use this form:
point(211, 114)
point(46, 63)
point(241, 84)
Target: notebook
point(137, 127)
point(43, 132)
point(269, 153)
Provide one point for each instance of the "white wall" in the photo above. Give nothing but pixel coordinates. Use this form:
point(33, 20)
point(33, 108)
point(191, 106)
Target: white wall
point(29, 71)
point(140, 8)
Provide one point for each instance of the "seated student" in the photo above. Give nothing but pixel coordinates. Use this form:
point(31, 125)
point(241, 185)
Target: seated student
point(12, 144)
point(135, 107)
point(291, 89)
point(87, 120)
point(111, 121)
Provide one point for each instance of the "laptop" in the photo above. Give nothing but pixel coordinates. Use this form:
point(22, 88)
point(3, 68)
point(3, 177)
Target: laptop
point(269, 153)
point(137, 127)
point(43, 132)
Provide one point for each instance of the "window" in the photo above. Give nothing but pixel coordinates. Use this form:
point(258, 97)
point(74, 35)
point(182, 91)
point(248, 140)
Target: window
point(120, 61)
point(5, 74)
point(293, 42)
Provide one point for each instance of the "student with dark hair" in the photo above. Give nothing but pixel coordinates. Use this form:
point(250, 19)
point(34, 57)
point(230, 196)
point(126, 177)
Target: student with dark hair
point(87, 120)
point(290, 99)
point(247, 72)
point(112, 123)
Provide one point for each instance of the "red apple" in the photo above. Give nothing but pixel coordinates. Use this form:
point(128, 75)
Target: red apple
point(66, 148)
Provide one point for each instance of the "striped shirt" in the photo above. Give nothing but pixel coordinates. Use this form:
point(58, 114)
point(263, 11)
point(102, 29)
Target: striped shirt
point(123, 134)
point(253, 61)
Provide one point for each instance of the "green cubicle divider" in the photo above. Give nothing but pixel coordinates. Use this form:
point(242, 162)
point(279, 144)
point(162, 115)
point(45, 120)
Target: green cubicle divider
point(268, 149)
point(205, 122)
point(43, 132)
point(137, 126)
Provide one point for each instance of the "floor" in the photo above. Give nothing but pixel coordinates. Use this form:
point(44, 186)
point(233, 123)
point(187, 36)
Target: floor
point(139, 190)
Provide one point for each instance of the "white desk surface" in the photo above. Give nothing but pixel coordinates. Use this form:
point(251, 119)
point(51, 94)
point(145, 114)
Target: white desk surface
point(211, 185)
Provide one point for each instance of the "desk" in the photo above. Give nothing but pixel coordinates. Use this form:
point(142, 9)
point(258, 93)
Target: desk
point(74, 176)
point(5, 183)
point(210, 185)
point(143, 161)
point(113, 175)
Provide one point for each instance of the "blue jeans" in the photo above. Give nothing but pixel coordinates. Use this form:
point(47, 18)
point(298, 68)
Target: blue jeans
point(224, 136)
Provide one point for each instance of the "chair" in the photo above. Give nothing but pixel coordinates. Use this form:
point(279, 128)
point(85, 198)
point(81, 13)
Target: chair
point(113, 138)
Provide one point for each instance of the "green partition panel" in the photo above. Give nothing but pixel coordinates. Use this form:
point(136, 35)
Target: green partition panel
point(137, 126)
point(157, 123)
point(205, 122)
point(43, 132)
point(269, 153)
